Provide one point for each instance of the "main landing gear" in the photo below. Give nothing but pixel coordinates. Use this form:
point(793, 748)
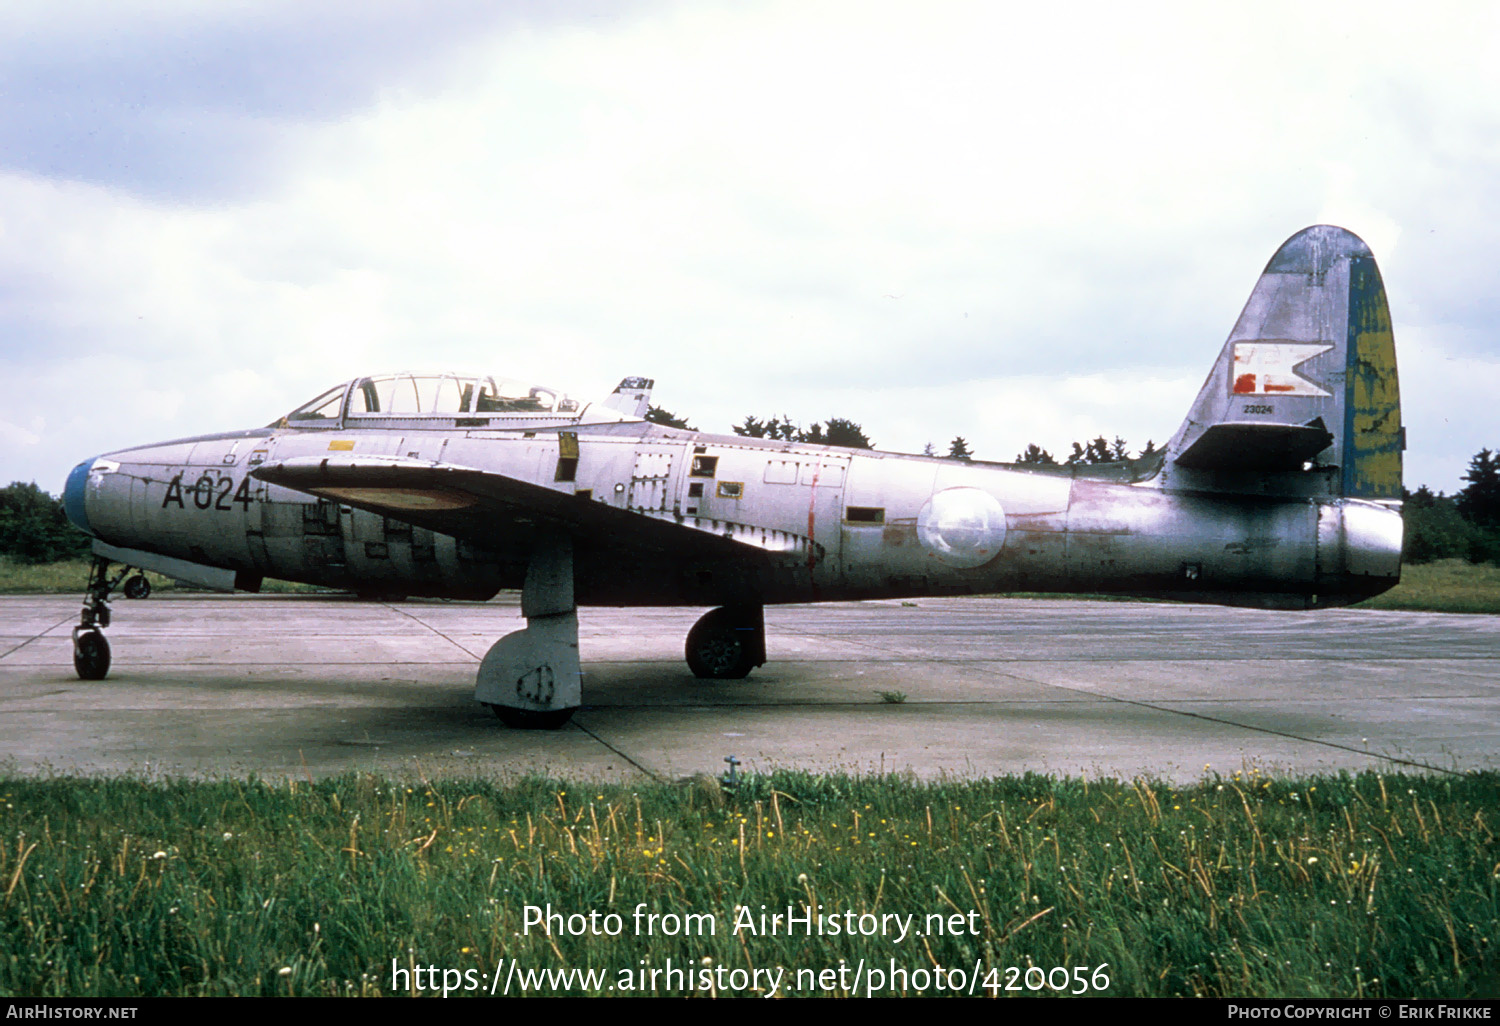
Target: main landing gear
point(531, 678)
point(90, 646)
point(727, 643)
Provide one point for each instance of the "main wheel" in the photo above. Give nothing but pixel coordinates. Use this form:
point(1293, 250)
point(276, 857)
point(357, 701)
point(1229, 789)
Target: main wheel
point(137, 587)
point(718, 648)
point(91, 655)
point(533, 719)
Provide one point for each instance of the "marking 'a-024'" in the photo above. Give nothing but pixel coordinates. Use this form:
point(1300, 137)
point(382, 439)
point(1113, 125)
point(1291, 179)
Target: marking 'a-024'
point(210, 491)
point(1269, 367)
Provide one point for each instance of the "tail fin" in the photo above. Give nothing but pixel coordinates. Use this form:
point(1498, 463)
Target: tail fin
point(1307, 381)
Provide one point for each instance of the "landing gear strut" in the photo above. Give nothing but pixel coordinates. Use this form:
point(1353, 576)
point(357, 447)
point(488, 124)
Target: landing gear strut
point(90, 646)
point(727, 643)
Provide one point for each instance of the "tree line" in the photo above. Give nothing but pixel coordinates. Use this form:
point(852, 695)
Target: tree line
point(34, 528)
point(846, 433)
point(1465, 525)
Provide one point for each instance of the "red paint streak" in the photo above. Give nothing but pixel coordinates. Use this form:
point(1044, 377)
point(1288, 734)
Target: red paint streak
point(812, 505)
point(1280, 388)
point(1244, 385)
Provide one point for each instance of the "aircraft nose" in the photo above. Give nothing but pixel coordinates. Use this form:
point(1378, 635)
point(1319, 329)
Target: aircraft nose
point(73, 497)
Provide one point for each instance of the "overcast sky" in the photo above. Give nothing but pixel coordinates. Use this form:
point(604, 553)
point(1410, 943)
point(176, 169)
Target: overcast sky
point(1011, 222)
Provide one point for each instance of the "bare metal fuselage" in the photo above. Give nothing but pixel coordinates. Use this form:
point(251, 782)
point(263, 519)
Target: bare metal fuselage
point(829, 523)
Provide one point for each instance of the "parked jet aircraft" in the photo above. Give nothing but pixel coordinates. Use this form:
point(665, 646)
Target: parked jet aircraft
point(1281, 489)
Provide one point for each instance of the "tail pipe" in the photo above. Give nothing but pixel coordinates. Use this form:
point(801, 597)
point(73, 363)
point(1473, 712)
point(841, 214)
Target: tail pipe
point(1359, 548)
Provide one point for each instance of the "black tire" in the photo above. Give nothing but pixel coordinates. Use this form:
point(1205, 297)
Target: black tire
point(719, 649)
point(533, 719)
point(91, 655)
point(137, 587)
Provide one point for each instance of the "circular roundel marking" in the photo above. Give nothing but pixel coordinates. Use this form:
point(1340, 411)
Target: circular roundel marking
point(962, 527)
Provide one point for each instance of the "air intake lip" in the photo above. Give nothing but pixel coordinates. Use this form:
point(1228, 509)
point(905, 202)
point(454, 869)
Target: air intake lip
point(74, 504)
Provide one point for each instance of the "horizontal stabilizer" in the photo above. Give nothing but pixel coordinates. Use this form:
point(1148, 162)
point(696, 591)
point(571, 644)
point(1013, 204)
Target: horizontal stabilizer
point(1256, 446)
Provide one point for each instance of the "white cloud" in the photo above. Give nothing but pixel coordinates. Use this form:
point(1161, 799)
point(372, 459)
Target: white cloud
point(1448, 404)
point(15, 434)
point(1010, 223)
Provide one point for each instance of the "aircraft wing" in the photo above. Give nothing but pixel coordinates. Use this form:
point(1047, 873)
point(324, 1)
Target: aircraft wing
point(485, 508)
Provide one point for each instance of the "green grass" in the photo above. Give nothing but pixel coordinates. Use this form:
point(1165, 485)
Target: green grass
point(67, 577)
point(1443, 586)
point(1331, 886)
point(70, 576)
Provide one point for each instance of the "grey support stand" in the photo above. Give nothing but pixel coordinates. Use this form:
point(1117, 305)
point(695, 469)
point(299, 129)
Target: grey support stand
point(531, 677)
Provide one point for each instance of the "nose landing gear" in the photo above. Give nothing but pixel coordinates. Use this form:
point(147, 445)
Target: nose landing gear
point(90, 646)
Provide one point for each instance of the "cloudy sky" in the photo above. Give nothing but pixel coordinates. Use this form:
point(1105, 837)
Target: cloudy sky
point(1011, 222)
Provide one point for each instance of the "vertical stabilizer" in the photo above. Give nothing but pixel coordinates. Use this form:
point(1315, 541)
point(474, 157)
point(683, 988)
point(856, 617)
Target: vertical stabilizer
point(1307, 379)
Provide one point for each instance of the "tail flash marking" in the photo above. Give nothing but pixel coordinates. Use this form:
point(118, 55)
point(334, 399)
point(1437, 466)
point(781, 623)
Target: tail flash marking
point(1372, 414)
point(1269, 367)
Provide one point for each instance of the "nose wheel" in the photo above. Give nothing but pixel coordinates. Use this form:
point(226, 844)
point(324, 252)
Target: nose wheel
point(90, 654)
point(90, 646)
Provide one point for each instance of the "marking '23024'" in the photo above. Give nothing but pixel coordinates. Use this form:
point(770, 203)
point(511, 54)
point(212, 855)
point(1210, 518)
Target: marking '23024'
point(211, 491)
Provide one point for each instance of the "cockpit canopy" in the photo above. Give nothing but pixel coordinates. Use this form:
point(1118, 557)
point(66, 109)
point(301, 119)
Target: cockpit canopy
point(431, 395)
